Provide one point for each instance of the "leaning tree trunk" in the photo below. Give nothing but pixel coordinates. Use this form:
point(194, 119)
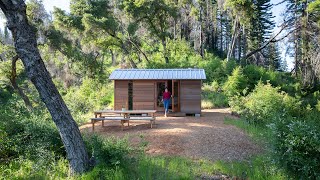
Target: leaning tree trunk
point(26, 46)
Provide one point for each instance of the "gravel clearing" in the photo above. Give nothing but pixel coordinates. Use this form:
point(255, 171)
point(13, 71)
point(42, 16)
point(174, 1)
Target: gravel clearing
point(205, 137)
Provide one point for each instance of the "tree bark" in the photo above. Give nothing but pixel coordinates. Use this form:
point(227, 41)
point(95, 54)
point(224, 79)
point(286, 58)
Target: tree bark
point(233, 39)
point(201, 34)
point(165, 53)
point(113, 56)
point(15, 86)
point(26, 47)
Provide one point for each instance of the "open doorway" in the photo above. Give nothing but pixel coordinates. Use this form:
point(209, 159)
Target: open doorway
point(173, 88)
point(161, 85)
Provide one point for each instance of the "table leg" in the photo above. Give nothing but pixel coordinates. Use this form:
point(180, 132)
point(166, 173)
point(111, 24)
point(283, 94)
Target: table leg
point(154, 119)
point(93, 121)
point(122, 122)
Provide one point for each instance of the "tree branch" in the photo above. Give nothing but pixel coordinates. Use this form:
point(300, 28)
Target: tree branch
point(15, 86)
point(271, 40)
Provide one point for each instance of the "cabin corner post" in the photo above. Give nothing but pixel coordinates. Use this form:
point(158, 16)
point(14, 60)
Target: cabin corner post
point(114, 94)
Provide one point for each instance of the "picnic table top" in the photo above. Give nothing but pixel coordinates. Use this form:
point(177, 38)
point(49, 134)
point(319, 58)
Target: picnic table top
point(125, 111)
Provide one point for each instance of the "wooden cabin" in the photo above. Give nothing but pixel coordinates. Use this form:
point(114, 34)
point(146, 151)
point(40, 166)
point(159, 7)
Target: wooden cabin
point(143, 88)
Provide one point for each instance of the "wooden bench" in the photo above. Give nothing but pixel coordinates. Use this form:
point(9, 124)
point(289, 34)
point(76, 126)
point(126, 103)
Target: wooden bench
point(122, 119)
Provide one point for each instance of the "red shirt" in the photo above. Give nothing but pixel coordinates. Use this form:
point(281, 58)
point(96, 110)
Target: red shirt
point(166, 95)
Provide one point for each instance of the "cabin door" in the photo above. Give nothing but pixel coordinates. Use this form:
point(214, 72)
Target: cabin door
point(160, 86)
point(175, 101)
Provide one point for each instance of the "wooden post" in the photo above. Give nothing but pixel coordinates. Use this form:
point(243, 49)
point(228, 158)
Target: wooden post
point(92, 121)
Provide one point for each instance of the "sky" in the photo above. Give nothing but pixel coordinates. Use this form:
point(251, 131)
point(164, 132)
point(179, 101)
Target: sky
point(277, 11)
point(62, 4)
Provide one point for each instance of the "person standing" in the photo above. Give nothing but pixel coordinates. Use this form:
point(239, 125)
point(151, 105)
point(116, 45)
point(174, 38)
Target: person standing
point(166, 100)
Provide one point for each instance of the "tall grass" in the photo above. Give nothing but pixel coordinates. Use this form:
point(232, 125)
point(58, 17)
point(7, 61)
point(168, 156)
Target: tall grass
point(260, 167)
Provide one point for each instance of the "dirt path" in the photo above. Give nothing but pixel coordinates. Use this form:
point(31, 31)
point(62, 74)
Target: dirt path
point(205, 137)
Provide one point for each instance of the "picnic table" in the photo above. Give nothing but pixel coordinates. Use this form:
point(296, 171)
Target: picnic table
point(124, 116)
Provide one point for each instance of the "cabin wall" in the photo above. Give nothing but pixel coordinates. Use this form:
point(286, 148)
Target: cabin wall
point(144, 95)
point(190, 96)
point(120, 94)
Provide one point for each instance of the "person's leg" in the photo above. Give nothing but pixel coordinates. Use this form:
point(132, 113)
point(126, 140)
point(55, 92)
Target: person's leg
point(165, 106)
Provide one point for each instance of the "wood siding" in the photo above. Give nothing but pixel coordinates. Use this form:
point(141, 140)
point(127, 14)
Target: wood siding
point(120, 94)
point(143, 95)
point(190, 96)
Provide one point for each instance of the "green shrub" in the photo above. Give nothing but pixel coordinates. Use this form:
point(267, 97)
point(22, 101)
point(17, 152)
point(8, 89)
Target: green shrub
point(109, 151)
point(90, 95)
point(214, 100)
point(297, 145)
point(229, 66)
point(237, 104)
point(211, 97)
point(318, 106)
point(264, 103)
point(213, 68)
point(27, 135)
point(235, 84)
point(215, 86)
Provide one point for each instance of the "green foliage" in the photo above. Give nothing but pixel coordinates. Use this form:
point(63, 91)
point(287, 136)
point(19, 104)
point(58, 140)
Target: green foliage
point(262, 166)
point(153, 13)
point(49, 166)
point(214, 100)
point(212, 97)
point(297, 145)
point(254, 74)
point(180, 55)
point(236, 83)
point(90, 95)
point(27, 135)
point(292, 133)
point(108, 151)
point(264, 103)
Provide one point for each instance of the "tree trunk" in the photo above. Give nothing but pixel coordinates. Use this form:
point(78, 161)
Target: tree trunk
point(201, 34)
point(26, 46)
point(165, 53)
point(239, 47)
point(113, 57)
point(233, 39)
point(221, 34)
point(15, 86)
point(244, 38)
point(296, 50)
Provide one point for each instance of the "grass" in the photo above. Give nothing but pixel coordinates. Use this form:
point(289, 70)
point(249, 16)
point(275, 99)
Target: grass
point(137, 165)
point(259, 134)
point(161, 167)
point(262, 166)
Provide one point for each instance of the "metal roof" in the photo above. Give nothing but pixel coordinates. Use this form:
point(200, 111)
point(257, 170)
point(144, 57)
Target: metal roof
point(143, 74)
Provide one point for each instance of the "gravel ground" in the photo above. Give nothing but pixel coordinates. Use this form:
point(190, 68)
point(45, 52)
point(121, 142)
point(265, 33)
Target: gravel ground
point(205, 137)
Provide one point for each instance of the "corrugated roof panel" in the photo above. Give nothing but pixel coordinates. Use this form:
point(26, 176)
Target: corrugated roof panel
point(127, 74)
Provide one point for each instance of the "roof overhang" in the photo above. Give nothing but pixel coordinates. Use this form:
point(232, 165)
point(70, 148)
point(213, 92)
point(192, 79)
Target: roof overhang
point(158, 74)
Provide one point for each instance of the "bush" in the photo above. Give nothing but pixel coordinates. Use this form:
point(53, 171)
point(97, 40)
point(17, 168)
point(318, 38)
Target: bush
point(91, 95)
point(213, 68)
point(212, 97)
point(235, 84)
point(107, 151)
point(27, 135)
point(264, 103)
point(297, 145)
point(213, 100)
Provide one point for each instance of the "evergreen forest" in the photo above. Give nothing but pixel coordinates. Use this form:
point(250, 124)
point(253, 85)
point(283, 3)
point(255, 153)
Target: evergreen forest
point(55, 68)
